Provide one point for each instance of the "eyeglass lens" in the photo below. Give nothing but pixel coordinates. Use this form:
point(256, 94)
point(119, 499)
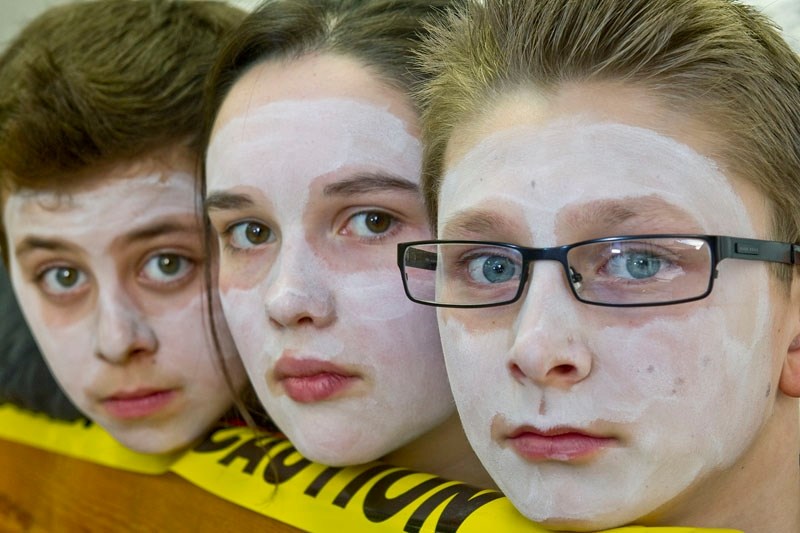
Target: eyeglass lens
point(621, 272)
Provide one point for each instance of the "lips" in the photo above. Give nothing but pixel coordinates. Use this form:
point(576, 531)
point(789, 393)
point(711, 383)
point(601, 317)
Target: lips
point(561, 444)
point(312, 380)
point(138, 403)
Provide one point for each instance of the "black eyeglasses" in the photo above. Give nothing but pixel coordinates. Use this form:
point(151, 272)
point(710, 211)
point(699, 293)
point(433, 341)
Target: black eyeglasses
point(629, 271)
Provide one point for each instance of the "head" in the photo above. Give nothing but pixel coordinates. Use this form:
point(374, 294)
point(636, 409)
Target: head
point(550, 123)
point(312, 173)
point(100, 121)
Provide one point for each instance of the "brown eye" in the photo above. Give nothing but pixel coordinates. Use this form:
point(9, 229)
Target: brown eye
point(256, 233)
point(377, 222)
point(246, 235)
point(169, 264)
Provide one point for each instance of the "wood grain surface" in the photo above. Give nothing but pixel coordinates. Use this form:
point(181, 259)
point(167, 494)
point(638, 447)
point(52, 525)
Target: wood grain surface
point(46, 492)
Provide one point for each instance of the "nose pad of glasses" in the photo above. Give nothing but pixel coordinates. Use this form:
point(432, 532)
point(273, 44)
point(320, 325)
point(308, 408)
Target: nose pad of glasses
point(716, 273)
point(575, 279)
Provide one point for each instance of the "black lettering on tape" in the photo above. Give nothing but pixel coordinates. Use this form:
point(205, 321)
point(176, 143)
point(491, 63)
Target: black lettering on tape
point(211, 445)
point(321, 480)
point(465, 500)
point(347, 493)
point(253, 451)
point(278, 470)
point(378, 507)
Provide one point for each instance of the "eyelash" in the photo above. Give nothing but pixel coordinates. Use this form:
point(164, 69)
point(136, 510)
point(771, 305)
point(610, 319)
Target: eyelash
point(395, 225)
point(227, 238)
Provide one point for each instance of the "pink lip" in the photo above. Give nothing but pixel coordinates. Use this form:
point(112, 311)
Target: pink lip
point(561, 444)
point(138, 403)
point(312, 380)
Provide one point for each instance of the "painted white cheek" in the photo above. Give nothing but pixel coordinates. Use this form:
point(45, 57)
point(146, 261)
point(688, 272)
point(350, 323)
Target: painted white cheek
point(185, 338)
point(478, 378)
point(69, 350)
point(246, 318)
point(400, 341)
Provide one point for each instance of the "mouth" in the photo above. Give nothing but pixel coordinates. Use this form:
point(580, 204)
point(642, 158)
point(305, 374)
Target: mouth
point(558, 444)
point(312, 380)
point(139, 403)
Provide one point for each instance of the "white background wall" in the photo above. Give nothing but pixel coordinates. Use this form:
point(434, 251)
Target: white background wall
point(15, 13)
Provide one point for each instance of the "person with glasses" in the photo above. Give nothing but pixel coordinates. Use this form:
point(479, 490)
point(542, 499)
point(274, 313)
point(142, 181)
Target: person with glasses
point(615, 189)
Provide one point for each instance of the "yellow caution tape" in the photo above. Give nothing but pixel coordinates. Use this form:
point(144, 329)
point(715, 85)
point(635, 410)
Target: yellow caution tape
point(79, 439)
point(266, 474)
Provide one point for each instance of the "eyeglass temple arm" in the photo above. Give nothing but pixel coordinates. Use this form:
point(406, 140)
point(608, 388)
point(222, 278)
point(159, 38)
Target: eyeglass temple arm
point(416, 258)
point(758, 250)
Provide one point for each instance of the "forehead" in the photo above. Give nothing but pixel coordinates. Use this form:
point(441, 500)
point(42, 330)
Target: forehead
point(308, 78)
point(595, 101)
point(103, 195)
point(554, 155)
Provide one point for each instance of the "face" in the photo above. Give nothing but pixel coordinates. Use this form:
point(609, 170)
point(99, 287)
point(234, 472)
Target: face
point(591, 417)
point(312, 171)
point(109, 277)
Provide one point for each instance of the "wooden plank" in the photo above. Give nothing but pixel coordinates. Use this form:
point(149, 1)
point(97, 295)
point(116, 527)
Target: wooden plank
point(47, 492)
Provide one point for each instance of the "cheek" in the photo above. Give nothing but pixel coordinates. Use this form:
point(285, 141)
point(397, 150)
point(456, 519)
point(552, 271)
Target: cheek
point(477, 372)
point(68, 349)
point(184, 338)
point(242, 270)
point(245, 316)
point(395, 338)
point(689, 383)
point(376, 315)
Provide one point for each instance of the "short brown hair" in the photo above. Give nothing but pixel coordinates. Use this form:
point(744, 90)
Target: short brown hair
point(716, 59)
point(91, 83)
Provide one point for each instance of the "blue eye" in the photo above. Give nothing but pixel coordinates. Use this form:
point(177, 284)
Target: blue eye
point(246, 235)
point(371, 223)
point(167, 268)
point(62, 280)
point(634, 265)
point(492, 269)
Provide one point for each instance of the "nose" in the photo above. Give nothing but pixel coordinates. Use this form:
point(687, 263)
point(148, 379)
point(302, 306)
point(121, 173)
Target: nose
point(122, 331)
point(299, 290)
point(547, 349)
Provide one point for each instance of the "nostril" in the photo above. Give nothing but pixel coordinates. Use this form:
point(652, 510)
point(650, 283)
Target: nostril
point(516, 372)
point(562, 370)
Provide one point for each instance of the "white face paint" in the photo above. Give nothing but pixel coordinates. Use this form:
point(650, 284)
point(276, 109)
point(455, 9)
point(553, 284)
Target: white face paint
point(678, 393)
point(109, 278)
point(344, 363)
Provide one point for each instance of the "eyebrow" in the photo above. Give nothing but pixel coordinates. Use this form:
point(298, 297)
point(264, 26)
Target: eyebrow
point(474, 222)
point(32, 243)
point(610, 213)
point(221, 201)
point(168, 227)
point(370, 182)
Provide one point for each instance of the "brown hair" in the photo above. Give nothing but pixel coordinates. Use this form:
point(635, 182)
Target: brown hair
point(382, 34)
point(91, 83)
point(718, 60)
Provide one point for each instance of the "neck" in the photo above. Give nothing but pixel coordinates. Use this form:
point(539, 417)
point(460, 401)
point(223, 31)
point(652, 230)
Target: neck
point(445, 452)
point(760, 492)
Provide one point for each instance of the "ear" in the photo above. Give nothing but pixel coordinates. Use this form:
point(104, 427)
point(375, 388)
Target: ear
point(790, 373)
point(789, 382)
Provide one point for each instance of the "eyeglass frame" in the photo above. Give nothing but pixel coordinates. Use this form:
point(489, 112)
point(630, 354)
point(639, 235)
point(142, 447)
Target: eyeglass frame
point(721, 247)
